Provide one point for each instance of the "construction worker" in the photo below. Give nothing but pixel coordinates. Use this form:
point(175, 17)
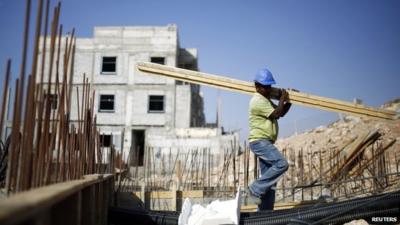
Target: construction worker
point(263, 121)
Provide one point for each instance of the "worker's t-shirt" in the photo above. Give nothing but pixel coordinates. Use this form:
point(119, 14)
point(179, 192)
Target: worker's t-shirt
point(261, 127)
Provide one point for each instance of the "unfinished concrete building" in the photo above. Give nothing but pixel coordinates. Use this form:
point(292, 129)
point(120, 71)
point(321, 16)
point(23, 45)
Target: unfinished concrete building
point(134, 110)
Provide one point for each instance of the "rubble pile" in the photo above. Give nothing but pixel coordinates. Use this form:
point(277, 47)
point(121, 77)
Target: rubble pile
point(335, 134)
point(337, 138)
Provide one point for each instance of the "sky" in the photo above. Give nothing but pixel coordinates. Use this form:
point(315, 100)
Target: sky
point(342, 49)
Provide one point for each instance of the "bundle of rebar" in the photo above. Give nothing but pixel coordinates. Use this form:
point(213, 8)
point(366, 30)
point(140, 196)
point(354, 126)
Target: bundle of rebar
point(45, 145)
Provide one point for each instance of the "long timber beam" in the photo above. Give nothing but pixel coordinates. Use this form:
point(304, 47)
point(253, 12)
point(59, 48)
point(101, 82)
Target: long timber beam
point(298, 98)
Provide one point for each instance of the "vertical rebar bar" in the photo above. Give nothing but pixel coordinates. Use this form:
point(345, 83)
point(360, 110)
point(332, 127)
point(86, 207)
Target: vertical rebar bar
point(5, 97)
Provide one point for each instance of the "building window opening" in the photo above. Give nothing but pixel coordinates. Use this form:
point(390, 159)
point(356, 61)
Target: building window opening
point(159, 60)
point(109, 65)
point(105, 140)
point(52, 99)
point(137, 148)
point(106, 103)
point(156, 103)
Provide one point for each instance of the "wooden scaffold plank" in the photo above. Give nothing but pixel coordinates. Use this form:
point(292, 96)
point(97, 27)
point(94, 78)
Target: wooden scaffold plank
point(230, 84)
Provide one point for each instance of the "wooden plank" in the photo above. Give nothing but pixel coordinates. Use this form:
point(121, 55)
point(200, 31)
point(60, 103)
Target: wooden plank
point(161, 194)
point(279, 205)
point(370, 157)
point(350, 153)
point(230, 84)
point(157, 194)
point(25, 205)
point(170, 194)
point(192, 194)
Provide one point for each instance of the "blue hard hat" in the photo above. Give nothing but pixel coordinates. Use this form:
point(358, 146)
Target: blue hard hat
point(264, 77)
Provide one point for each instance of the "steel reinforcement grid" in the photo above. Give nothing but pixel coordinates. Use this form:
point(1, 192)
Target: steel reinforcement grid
point(385, 206)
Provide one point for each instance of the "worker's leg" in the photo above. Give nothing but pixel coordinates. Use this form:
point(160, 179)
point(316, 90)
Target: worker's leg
point(267, 152)
point(268, 199)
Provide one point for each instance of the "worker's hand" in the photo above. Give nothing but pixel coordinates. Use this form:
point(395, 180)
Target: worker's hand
point(284, 96)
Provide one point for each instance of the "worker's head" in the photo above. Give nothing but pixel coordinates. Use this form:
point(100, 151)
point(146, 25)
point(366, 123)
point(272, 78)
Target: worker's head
point(264, 90)
point(263, 81)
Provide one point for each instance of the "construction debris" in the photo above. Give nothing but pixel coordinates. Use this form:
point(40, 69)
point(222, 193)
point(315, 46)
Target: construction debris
point(357, 222)
point(350, 157)
point(217, 212)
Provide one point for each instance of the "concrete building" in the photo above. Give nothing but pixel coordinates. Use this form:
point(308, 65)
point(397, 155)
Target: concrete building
point(135, 110)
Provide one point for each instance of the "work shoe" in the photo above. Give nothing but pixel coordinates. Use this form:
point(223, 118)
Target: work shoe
point(251, 199)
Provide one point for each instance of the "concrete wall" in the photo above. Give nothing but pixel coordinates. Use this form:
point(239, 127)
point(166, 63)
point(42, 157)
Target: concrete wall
point(183, 105)
point(140, 102)
point(186, 142)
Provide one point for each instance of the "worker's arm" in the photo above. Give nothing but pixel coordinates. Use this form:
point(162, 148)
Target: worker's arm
point(283, 106)
point(287, 105)
point(286, 108)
